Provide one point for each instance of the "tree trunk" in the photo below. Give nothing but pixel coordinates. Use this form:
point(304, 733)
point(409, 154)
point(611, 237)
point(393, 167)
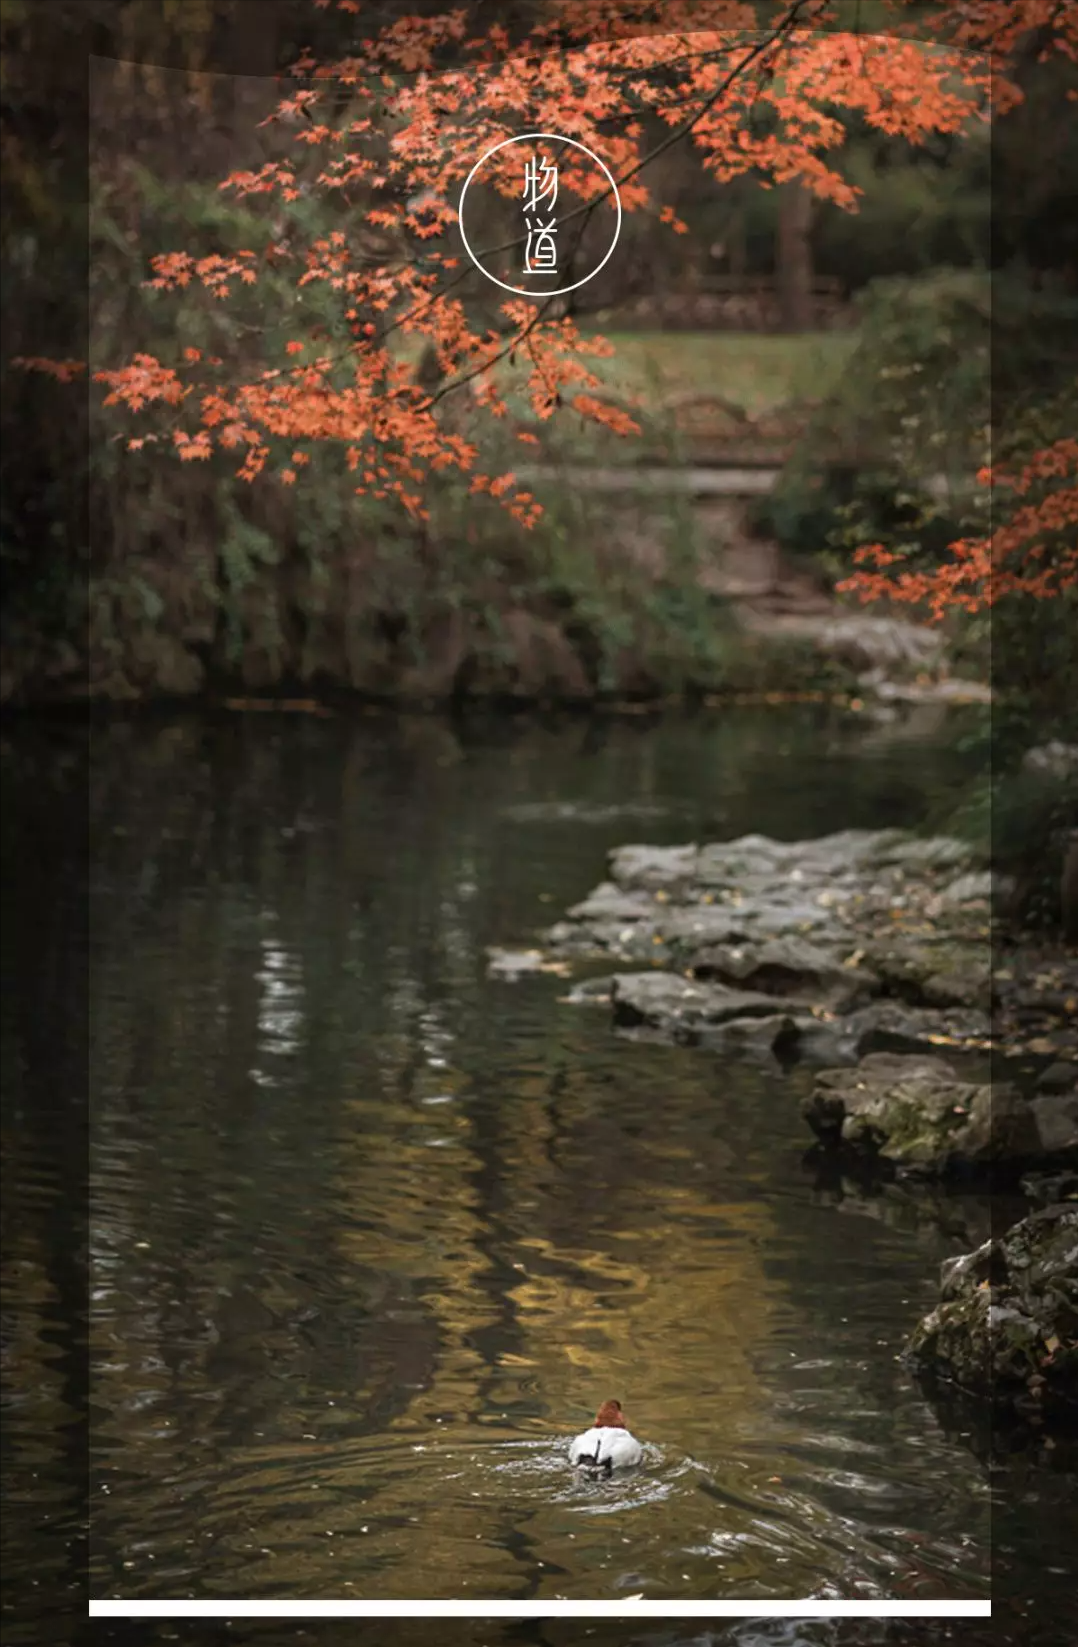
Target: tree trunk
point(793, 257)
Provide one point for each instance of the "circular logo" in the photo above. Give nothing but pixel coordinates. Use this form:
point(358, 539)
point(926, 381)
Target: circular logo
point(542, 228)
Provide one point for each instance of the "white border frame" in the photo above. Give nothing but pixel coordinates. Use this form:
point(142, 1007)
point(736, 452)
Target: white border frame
point(540, 1609)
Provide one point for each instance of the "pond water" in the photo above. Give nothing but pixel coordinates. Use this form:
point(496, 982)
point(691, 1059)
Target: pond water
point(371, 1235)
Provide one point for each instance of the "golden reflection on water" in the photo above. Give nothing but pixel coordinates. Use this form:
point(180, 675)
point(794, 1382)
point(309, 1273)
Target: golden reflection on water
point(623, 1289)
point(372, 1237)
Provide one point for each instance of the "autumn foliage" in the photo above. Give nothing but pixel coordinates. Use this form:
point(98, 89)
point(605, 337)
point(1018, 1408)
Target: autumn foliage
point(385, 138)
point(1033, 551)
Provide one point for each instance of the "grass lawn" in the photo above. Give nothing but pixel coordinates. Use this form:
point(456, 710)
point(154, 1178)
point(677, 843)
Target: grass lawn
point(756, 370)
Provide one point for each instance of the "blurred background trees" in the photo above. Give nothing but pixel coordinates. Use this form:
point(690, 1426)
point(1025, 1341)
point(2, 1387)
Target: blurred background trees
point(957, 278)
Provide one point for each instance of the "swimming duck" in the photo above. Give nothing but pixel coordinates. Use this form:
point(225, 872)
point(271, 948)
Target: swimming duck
point(608, 1444)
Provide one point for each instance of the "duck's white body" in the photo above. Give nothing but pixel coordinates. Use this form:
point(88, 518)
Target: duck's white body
point(606, 1446)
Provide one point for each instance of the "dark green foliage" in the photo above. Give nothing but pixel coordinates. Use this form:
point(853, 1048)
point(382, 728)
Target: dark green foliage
point(893, 453)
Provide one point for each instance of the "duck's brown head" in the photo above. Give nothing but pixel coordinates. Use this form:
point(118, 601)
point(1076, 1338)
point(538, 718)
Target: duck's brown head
point(609, 1416)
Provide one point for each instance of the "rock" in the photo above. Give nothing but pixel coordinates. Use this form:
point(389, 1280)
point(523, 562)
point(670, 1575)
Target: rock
point(758, 857)
point(868, 926)
point(827, 1108)
point(944, 691)
point(653, 867)
point(1056, 1119)
point(591, 991)
point(916, 1115)
point(980, 886)
point(1059, 1077)
point(889, 1026)
point(731, 863)
point(609, 903)
point(1005, 1330)
point(1047, 1189)
point(521, 963)
point(824, 1042)
point(881, 643)
point(514, 963)
point(778, 917)
point(787, 966)
point(933, 852)
point(1056, 759)
point(661, 1000)
point(934, 970)
point(687, 928)
point(776, 1033)
point(584, 940)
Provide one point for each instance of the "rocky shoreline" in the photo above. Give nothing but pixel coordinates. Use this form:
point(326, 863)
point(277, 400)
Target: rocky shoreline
point(821, 950)
point(868, 954)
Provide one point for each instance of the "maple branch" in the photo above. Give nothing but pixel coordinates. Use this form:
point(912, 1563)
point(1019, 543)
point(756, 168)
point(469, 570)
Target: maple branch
point(788, 23)
point(485, 365)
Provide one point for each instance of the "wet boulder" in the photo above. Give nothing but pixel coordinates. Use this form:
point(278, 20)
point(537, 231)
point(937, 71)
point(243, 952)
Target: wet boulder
point(514, 963)
point(608, 902)
point(916, 1115)
point(587, 940)
point(889, 644)
point(1047, 1189)
point(1005, 1330)
point(979, 886)
point(1056, 1118)
point(690, 927)
point(921, 853)
point(666, 868)
point(725, 864)
point(787, 966)
point(934, 970)
point(1059, 1079)
point(774, 1034)
point(663, 1001)
point(891, 1026)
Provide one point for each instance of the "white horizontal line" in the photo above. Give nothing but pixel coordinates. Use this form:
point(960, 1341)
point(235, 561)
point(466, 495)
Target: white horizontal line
point(541, 1609)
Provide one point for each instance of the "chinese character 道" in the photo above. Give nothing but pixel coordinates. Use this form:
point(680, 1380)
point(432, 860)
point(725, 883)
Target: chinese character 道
point(540, 193)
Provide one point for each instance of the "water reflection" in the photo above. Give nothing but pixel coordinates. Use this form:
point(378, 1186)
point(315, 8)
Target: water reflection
point(372, 1235)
